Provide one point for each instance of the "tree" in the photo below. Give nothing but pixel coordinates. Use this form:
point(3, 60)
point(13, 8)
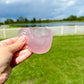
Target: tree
point(9, 21)
point(40, 20)
point(26, 20)
point(72, 18)
point(34, 20)
point(17, 21)
point(1, 23)
point(20, 19)
point(81, 18)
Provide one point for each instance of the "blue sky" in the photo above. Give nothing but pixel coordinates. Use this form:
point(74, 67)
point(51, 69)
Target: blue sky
point(45, 9)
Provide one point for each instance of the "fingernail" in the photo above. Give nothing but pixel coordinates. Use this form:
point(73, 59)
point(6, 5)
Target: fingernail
point(22, 38)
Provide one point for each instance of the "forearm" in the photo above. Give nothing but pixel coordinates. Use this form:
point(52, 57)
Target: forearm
point(5, 58)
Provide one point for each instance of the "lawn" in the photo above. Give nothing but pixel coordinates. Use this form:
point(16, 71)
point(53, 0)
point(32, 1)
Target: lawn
point(63, 64)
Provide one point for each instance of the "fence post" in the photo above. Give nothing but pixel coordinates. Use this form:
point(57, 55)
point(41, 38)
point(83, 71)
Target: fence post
point(62, 29)
point(75, 29)
point(4, 33)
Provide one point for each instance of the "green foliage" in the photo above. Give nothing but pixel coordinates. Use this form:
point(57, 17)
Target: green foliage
point(34, 20)
point(1, 23)
point(9, 21)
point(21, 20)
point(26, 20)
point(72, 18)
point(81, 18)
point(63, 64)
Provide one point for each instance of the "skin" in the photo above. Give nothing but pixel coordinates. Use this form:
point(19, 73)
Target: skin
point(12, 52)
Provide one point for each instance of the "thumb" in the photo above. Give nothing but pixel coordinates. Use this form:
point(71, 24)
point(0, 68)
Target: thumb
point(18, 44)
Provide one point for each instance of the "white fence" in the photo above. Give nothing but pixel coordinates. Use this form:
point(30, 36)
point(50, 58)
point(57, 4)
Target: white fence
point(57, 30)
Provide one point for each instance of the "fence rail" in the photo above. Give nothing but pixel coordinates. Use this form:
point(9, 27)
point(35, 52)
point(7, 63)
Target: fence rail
point(57, 30)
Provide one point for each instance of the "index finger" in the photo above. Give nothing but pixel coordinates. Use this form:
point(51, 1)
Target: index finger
point(8, 41)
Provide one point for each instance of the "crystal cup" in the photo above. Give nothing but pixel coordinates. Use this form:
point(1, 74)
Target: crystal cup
point(39, 39)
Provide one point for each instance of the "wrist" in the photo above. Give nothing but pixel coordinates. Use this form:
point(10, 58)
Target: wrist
point(5, 75)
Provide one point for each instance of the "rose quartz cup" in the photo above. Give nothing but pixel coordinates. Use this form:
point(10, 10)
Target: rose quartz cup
point(39, 39)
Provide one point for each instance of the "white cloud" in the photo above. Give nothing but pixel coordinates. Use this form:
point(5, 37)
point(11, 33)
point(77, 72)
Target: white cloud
point(62, 5)
point(70, 3)
point(59, 17)
point(15, 1)
point(43, 1)
point(80, 12)
point(64, 0)
point(20, 1)
point(55, 9)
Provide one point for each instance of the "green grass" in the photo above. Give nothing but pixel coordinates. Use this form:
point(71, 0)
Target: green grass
point(14, 27)
point(63, 64)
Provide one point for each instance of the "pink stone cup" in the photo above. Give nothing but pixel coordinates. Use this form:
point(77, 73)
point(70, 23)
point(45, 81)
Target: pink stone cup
point(39, 39)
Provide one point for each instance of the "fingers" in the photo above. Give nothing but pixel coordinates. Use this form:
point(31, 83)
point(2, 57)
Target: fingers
point(8, 41)
point(18, 44)
point(20, 57)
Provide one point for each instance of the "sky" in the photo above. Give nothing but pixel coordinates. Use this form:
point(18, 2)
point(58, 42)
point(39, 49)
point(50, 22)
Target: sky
point(44, 9)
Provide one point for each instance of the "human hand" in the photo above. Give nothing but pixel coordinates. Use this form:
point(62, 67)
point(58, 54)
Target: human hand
point(12, 52)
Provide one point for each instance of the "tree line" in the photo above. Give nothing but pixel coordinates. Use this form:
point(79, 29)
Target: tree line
point(25, 20)
point(74, 18)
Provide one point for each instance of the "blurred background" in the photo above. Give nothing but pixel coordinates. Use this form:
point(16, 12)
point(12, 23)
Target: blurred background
point(64, 63)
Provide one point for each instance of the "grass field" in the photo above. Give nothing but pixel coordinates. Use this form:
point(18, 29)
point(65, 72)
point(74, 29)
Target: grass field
point(63, 64)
